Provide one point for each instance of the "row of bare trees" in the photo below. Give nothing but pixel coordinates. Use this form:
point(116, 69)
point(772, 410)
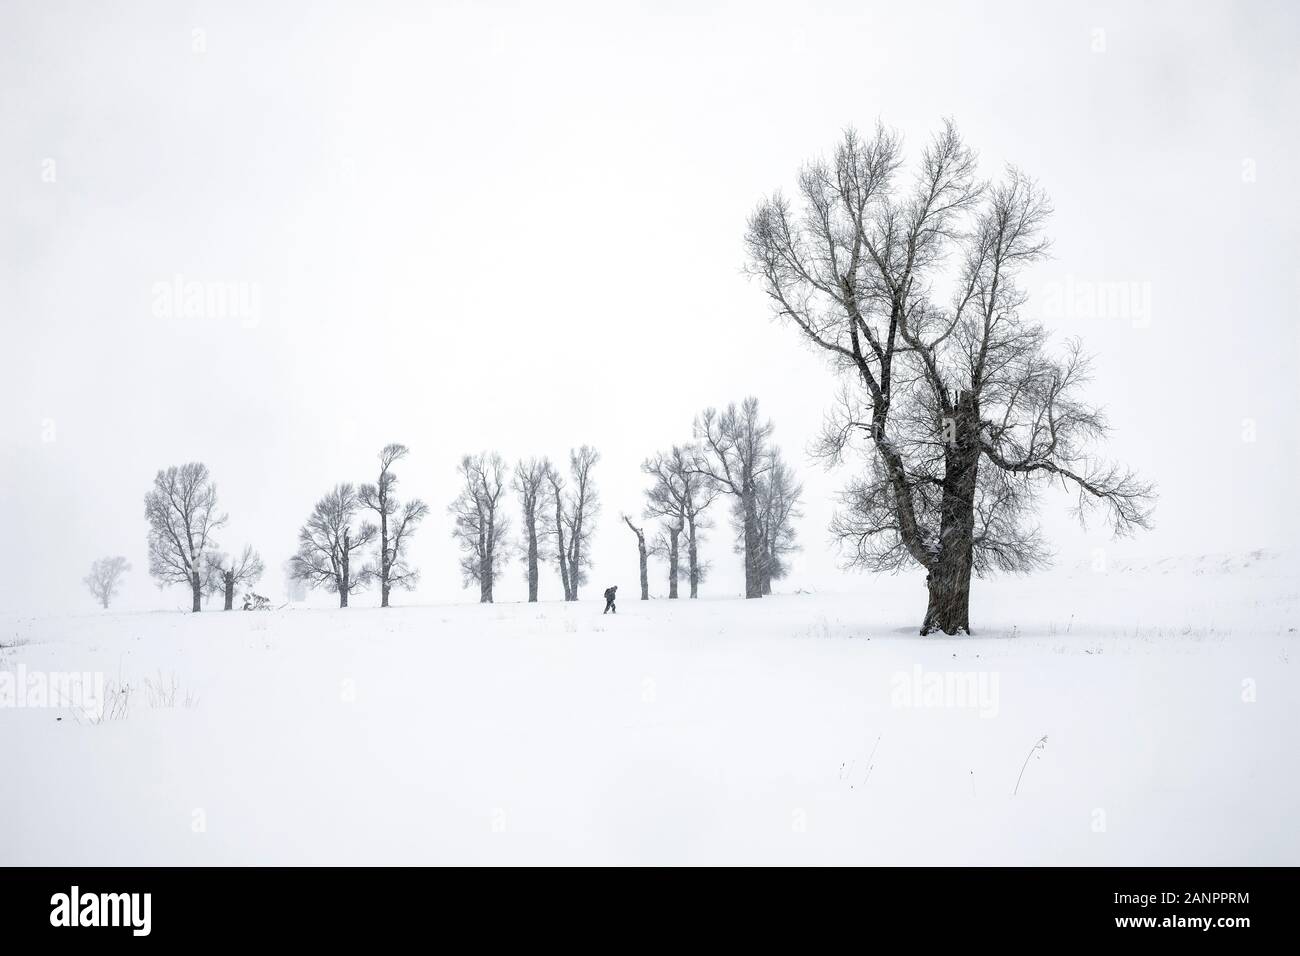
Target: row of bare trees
point(732, 454)
point(678, 498)
point(181, 510)
point(356, 535)
point(183, 517)
point(334, 546)
point(559, 510)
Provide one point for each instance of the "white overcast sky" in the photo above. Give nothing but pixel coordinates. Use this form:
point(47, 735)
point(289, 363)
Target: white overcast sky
point(518, 227)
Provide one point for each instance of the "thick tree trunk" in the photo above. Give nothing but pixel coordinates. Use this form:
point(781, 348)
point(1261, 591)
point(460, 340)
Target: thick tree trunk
point(948, 582)
point(561, 549)
point(641, 556)
point(384, 566)
point(674, 534)
point(645, 574)
point(753, 574)
point(532, 561)
point(345, 583)
point(564, 577)
point(196, 586)
point(575, 561)
point(948, 588)
point(692, 560)
point(230, 590)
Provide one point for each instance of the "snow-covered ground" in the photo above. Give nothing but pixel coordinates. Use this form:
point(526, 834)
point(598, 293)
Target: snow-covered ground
point(805, 728)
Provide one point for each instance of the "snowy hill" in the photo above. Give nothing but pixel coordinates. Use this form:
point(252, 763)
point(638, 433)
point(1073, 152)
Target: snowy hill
point(800, 729)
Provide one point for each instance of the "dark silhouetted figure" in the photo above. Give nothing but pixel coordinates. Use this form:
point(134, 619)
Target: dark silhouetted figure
point(610, 594)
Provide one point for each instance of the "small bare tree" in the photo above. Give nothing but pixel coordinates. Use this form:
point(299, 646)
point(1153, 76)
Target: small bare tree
point(779, 495)
point(328, 541)
point(963, 413)
point(641, 555)
point(679, 494)
point(397, 523)
point(295, 589)
point(481, 526)
point(181, 509)
point(575, 510)
point(733, 454)
point(105, 578)
point(530, 484)
point(224, 574)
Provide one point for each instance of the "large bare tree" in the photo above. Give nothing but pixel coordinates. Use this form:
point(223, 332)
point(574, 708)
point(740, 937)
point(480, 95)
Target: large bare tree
point(733, 453)
point(530, 484)
point(779, 495)
point(397, 523)
point(328, 541)
point(105, 578)
point(224, 573)
point(481, 524)
point(642, 553)
point(576, 507)
point(962, 411)
point(181, 509)
point(679, 495)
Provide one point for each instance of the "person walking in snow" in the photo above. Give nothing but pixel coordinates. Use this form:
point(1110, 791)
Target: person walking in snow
point(610, 593)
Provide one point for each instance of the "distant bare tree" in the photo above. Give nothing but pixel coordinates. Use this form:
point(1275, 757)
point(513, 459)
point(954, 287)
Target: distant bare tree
point(558, 486)
point(778, 508)
point(481, 526)
point(733, 453)
point(641, 554)
point(105, 578)
point(328, 541)
point(181, 509)
point(964, 414)
point(295, 589)
point(666, 545)
point(679, 494)
point(530, 484)
point(224, 574)
point(575, 509)
point(397, 523)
